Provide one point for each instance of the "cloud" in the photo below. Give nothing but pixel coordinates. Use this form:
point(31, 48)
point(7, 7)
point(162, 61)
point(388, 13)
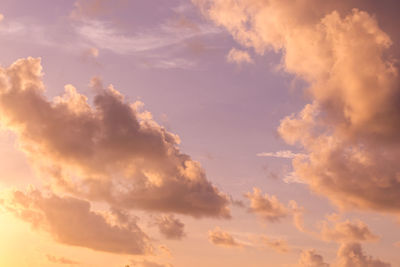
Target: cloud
point(284, 154)
point(146, 263)
point(102, 35)
point(279, 245)
point(352, 255)
point(238, 56)
point(1, 17)
point(70, 221)
point(309, 258)
point(221, 238)
point(334, 230)
point(90, 55)
point(110, 151)
point(92, 52)
point(349, 255)
point(170, 227)
point(350, 128)
point(267, 207)
point(298, 216)
point(346, 231)
point(60, 260)
point(165, 251)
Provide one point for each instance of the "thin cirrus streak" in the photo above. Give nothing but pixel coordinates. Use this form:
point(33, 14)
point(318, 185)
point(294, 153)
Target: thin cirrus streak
point(61, 260)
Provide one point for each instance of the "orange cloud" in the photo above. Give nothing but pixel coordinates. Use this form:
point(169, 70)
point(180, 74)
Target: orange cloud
point(309, 258)
point(238, 56)
point(146, 263)
point(348, 255)
point(350, 130)
point(60, 260)
point(170, 227)
point(347, 231)
point(221, 238)
point(352, 255)
point(266, 207)
point(70, 221)
point(279, 245)
point(110, 151)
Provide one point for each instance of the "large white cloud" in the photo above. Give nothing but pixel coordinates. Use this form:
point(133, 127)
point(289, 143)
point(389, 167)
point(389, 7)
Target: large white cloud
point(350, 130)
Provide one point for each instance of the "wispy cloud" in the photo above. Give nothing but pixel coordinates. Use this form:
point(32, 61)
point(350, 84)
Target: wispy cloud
point(105, 36)
point(285, 154)
point(292, 177)
point(60, 260)
point(238, 56)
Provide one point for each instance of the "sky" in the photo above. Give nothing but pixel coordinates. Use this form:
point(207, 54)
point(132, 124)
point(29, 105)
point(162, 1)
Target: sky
point(192, 133)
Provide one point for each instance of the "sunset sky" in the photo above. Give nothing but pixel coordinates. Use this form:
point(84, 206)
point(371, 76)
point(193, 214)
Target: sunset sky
point(200, 133)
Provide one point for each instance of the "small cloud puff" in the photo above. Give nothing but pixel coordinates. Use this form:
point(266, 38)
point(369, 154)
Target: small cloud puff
point(266, 207)
point(238, 56)
point(222, 238)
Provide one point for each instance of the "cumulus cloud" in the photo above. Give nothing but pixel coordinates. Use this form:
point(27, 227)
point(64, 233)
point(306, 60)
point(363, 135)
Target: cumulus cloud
point(266, 207)
point(238, 56)
point(335, 230)
point(352, 255)
point(170, 227)
point(60, 260)
point(350, 129)
point(111, 151)
point(346, 231)
point(222, 238)
point(349, 255)
point(72, 222)
point(309, 258)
